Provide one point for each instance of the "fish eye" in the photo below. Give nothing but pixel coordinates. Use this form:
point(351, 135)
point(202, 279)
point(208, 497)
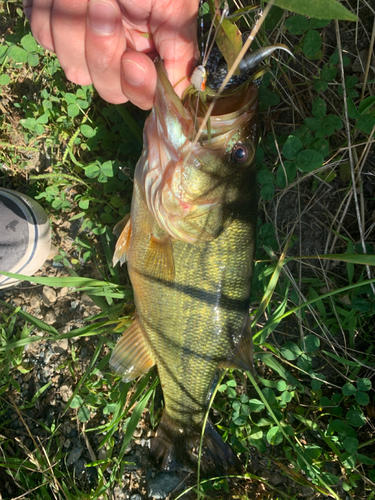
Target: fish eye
point(240, 153)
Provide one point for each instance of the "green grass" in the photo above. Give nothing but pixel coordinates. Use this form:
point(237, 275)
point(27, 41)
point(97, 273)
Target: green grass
point(309, 411)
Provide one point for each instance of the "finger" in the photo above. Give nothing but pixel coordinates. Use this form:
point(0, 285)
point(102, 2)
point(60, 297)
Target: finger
point(176, 42)
point(105, 44)
point(69, 31)
point(138, 79)
point(39, 14)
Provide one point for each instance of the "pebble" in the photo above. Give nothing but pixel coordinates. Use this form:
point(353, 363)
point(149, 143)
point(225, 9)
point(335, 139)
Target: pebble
point(74, 455)
point(60, 346)
point(83, 352)
point(35, 301)
point(49, 296)
point(307, 491)
point(67, 443)
point(136, 497)
point(63, 291)
point(50, 318)
point(65, 392)
point(162, 484)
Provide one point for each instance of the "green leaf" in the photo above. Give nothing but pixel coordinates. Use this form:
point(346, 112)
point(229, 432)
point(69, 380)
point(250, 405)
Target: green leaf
point(320, 9)
point(366, 105)
point(274, 436)
point(365, 460)
point(308, 160)
point(83, 414)
point(290, 351)
point(297, 24)
point(364, 384)
point(17, 54)
point(319, 108)
point(107, 168)
point(267, 191)
point(366, 123)
point(349, 389)
point(92, 171)
point(351, 444)
point(332, 121)
point(229, 41)
point(4, 79)
point(28, 43)
point(87, 131)
point(290, 169)
point(265, 176)
point(311, 43)
point(312, 343)
point(73, 110)
point(256, 405)
point(355, 418)
point(281, 385)
point(76, 402)
point(292, 147)
point(362, 398)
point(70, 98)
point(320, 85)
point(329, 478)
point(352, 110)
point(313, 123)
point(321, 146)
point(318, 23)
point(269, 395)
point(32, 59)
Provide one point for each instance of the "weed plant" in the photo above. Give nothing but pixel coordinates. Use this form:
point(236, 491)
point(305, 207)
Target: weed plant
point(310, 410)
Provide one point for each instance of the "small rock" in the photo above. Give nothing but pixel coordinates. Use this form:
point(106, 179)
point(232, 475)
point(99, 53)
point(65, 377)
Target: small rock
point(162, 484)
point(136, 497)
point(65, 392)
point(307, 491)
point(63, 291)
point(27, 377)
point(60, 346)
point(83, 352)
point(67, 443)
point(17, 301)
point(74, 455)
point(50, 318)
point(35, 301)
point(275, 479)
point(102, 454)
point(86, 301)
point(53, 252)
point(49, 296)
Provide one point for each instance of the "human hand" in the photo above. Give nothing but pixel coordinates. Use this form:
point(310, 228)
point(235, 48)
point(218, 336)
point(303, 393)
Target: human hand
point(102, 42)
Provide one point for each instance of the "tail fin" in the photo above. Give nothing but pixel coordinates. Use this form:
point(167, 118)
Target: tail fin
point(174, 447)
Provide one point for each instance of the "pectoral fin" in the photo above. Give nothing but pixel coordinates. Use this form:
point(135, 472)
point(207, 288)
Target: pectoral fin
point(241, 356)
point(132, 357)
point(122, 229)
point(159, 258)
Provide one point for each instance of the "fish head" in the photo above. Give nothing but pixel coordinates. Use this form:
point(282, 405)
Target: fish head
point(195, 188)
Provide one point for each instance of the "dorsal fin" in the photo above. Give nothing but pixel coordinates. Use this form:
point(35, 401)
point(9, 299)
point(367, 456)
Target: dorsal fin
point(124, 229)
point(132, 356)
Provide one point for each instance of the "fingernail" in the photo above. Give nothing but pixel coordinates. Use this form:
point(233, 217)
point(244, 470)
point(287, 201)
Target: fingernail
point(134, 72)
point(102, 17)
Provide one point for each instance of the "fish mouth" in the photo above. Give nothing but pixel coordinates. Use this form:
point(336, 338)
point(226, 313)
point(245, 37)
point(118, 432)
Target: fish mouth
point(174, 158)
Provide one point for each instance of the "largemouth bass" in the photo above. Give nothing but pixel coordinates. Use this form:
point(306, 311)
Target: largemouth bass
point(189, 245)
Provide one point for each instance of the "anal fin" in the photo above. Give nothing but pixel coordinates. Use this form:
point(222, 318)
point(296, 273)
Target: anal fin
point(159, 258)
point(241, 356)
point(131, 356)
point(124, 229)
